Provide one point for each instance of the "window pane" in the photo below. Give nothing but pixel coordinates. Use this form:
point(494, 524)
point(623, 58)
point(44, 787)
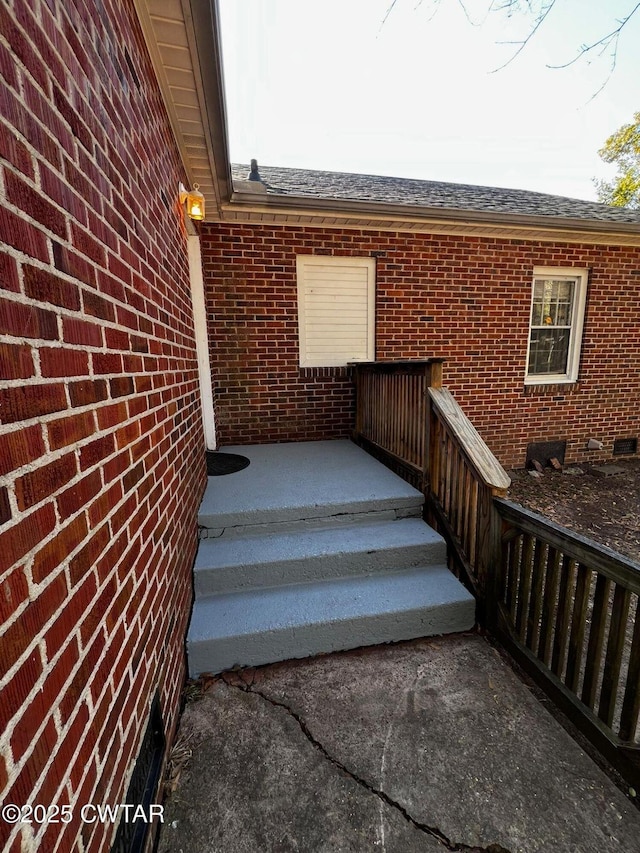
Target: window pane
point(548, 351)
point(538, 290)
point(565, 291)
point(552, 302)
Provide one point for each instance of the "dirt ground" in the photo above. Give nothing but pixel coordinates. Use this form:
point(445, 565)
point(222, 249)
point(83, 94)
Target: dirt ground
point(604, 508)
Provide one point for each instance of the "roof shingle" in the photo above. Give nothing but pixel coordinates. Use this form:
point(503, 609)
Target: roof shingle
point(434, 194)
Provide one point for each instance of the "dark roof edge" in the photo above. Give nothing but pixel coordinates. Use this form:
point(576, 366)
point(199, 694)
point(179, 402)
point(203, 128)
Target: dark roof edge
point(354, 207)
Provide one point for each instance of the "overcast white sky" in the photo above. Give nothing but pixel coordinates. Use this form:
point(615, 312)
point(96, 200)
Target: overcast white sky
point(324, 84)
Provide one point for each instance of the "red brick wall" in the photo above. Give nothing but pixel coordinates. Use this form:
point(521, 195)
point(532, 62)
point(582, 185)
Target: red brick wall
point(462, 298)
point(101, 446)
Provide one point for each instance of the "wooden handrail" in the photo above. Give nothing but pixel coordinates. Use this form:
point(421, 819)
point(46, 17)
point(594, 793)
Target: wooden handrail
point(477, 454)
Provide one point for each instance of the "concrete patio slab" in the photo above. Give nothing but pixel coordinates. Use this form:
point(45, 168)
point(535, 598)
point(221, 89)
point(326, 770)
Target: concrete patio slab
point(431, 745)
point(308, 479)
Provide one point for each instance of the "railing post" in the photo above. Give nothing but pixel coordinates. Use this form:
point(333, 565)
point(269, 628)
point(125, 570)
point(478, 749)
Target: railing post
point(433, 379)
point(435, 373)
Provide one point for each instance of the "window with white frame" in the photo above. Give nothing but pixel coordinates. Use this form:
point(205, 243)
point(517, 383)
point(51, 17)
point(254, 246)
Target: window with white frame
point(336, 310)
point(557, 316)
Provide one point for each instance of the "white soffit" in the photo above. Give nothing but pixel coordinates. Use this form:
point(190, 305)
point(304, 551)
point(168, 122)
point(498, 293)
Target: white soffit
point(168, 31)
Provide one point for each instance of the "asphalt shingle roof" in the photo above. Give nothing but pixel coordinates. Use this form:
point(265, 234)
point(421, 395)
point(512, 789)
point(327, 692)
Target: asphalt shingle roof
point(436, 194)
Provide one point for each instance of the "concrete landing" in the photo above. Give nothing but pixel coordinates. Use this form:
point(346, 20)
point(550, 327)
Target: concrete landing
point(421, 747)
point(304, 480)
point(315, 547)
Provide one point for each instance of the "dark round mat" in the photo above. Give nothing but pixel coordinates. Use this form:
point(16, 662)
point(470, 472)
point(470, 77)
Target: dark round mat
point(224, 463)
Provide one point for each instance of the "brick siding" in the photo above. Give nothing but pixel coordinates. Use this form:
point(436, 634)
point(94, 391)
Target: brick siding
point(101, 441)
point(466, 299)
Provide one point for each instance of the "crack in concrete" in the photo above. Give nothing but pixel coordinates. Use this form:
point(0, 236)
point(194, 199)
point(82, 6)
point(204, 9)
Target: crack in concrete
point(239, 681)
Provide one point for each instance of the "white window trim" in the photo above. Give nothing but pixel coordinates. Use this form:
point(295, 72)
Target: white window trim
point(333, 260)
point(580, 276)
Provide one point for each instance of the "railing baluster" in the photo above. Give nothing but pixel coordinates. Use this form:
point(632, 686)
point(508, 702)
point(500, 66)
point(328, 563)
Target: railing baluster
point(413, 419)
point(613, 660)
point(549, 604)
point(473, 523)
point(454, 508)
point(460, 496)
point(515, 560)
point(562, 615)
point(399, 415)
point(525, 586)
point(535, 605)
point(465, 534)
point(448, 464)
point(599, 613)
point(631, 703)
point(442, 466)
point(578, 624)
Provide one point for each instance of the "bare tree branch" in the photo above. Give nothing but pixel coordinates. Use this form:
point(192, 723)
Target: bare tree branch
point(467, 14)
point(544, 12)
point(611, 39)
point(541, 10)
point(388, 12)
point(436, 6)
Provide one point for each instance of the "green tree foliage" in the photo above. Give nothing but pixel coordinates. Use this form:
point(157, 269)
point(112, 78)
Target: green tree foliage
point(623, 149)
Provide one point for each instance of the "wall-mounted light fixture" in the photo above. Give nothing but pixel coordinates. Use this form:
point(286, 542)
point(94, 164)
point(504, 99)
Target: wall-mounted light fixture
point(194, 200)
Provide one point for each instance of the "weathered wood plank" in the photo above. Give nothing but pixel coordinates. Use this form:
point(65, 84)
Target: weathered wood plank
point(578, 626)
point(549, 605)
point(631, 703)
point(593, 664)
point(535, 605)
point(561, 634)
point(613, 660)
point(473, 521)
point(476, 452)
point(465, 519)
point(514, 575)
point(525, 586)
point(385, 368)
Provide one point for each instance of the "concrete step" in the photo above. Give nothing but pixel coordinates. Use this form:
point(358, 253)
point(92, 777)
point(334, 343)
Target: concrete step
point(293, 486)
point(227, 565)
point(261, 626)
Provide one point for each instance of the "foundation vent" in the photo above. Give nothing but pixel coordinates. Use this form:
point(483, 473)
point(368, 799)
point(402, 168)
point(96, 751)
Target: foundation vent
point(132, 836)
point(625, 446)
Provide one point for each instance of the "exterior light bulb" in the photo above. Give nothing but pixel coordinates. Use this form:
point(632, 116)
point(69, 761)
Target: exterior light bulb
point(195, 204)
point(194, 201)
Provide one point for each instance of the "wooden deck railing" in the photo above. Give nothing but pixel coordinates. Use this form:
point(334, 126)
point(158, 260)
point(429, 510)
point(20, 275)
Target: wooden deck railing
point(566, 608)
point(406, 418)
point(392, 412)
